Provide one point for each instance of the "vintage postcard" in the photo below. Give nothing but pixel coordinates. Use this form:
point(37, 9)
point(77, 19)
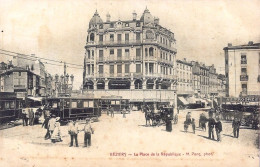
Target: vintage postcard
point(129, 83)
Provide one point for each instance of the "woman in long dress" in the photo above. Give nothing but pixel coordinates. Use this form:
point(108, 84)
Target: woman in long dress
point(56, 135)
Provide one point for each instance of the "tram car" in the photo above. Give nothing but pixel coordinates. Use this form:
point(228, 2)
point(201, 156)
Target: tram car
point(117, 103)
point(68, 108)
point(10, 107)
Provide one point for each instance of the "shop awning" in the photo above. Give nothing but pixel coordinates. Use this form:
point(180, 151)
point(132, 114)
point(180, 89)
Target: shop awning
point(193, 100)
point(183, 100)
point(35, 98)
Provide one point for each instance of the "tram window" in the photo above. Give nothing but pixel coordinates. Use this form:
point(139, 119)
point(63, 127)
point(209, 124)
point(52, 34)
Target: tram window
point(117, 102)
point(11, 104)
point(90, 104)
point(2, 106)
point(74, 104)
point(54, 105)
point(113, 102)
point(7, 106)
point(85, 104)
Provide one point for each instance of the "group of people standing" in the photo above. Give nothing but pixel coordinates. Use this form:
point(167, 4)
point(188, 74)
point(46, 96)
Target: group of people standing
point(52, 125)
point(212, 124)
point(73, 131)
point(28, 116)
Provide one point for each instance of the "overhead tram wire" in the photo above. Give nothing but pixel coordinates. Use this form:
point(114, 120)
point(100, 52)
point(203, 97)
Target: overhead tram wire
point(34, 60)
point(40, 58)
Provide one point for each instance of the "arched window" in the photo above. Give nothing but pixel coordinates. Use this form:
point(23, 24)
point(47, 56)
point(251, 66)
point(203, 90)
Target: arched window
point(100, 84)
point(138, 84)
point(89, 85)
point(92, 37)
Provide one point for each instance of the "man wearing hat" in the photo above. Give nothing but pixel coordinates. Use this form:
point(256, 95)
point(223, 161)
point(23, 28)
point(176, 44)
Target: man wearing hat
point(73, 131)
point(88, 130)
point(218, 128)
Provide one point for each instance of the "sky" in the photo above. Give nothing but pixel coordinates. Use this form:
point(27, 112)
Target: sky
point(57, 29)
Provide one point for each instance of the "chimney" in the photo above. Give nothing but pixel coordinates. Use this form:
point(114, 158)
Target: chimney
point(250, 43)
point(156, 20)
point(229, 44)
point(108, 17)
point(134, 15)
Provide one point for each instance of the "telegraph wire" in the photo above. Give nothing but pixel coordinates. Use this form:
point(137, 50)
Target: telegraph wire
point(19, 54)
point(34, 60)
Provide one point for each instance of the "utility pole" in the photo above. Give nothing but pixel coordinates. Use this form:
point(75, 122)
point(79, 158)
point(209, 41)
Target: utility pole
point(2, 32)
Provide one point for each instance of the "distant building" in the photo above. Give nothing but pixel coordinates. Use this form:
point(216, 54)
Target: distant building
point(36, 66)
point(134, 56)
point(20, 80)
point(242, 68)
point(200, 74)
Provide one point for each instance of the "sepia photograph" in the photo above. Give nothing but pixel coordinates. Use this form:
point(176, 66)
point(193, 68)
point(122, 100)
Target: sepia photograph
point(124, 83)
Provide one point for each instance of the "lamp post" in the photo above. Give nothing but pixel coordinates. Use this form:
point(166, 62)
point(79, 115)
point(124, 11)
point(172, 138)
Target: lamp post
point(56, 84)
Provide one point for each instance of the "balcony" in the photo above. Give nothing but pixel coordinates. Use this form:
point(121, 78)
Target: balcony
point(243, 77)
point(114, 43)
point(155, 42)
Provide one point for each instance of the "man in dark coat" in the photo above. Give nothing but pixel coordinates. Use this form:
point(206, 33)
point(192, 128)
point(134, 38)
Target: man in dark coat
point(236, 125)
point(168, 123)
point(211, 125)
point(45, 125)
point(218, 128)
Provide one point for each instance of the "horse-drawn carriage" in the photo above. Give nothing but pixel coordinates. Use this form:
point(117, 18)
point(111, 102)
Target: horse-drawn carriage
point(162, 115)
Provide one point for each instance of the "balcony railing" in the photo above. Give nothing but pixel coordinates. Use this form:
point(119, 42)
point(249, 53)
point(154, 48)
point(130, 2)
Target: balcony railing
point(108, 43)
point(132, 42)
point(243, 77)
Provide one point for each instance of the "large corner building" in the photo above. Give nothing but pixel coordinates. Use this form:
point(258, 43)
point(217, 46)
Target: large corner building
point(134, 59)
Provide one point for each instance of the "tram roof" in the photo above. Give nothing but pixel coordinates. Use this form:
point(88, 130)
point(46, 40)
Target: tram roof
point(78, 98)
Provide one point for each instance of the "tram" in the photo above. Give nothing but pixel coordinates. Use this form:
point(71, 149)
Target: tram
point(10, 107)
point(116, 102)
point(74, 107)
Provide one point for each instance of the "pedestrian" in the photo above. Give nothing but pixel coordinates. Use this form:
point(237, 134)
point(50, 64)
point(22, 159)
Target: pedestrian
point(211, 125)
point(178, 109)
point(168, 123)
point(112, 111)
point(218, 128)
point(193, 125)
point(73, 131)
point(31, 117)
point(56, 135)
point(51, 124)
point(202, 121)
point(188, 118)
point(236, 126)
point(108, 110)
point(88, 130)
point(24, 117)
point(124, 112)
point(45, 125)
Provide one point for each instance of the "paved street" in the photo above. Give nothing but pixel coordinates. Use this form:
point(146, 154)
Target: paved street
point(121, 139)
